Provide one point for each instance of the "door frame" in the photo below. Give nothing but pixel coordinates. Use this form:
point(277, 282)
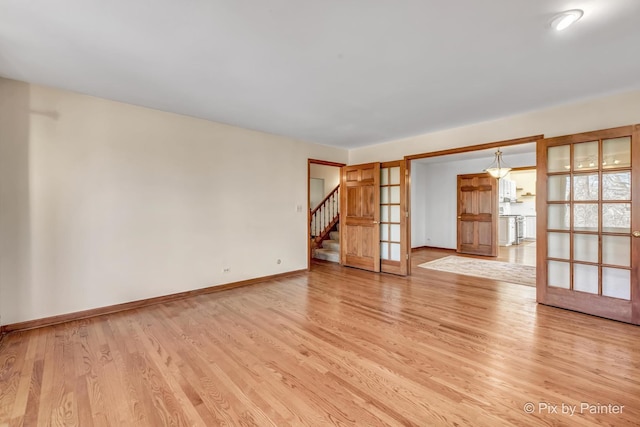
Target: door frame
point(467, 149)
point(309, 163)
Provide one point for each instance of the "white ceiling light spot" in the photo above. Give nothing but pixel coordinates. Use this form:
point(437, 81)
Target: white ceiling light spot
point(565, 19)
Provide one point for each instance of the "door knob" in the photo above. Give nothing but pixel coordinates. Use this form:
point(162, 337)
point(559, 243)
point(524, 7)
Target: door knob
point(636, 234)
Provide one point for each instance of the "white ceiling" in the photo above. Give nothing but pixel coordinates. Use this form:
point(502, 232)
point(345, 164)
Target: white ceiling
point(347, 73)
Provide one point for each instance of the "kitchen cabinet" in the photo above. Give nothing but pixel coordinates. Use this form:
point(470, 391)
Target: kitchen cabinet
point(530, 227)
point(507, 190)
point(506, 230)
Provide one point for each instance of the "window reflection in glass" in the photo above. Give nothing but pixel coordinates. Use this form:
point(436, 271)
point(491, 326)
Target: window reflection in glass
point(616, 186)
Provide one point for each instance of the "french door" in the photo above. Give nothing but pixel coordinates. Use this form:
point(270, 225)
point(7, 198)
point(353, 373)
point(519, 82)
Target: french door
point(588, 224)
point(393, 218)
point(374, 217)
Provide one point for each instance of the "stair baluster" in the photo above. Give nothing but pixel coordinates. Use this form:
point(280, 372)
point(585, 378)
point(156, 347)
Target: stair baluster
point(325, 216)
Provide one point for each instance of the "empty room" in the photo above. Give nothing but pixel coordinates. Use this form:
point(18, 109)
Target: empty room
point(296, 213)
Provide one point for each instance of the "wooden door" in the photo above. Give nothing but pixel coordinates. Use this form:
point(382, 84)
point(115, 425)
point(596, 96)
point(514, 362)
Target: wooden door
point(393, 218)
point(477, 214)
point(359, 216)
point(588, 224)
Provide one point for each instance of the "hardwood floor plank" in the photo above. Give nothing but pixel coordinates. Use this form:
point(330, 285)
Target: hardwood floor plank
point(11, 367)
point(22, 391)
point(132, 387)
point(334, 346)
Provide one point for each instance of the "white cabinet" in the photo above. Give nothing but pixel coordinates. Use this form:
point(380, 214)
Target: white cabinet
point(507, 190)
point(530, 227)
point(506, 230)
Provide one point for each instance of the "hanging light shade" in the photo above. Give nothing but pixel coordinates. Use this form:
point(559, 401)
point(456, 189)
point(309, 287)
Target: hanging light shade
point(498, 169)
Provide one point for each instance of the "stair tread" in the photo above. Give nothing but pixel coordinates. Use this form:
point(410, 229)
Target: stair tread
point(332, 245)
point(327, 255)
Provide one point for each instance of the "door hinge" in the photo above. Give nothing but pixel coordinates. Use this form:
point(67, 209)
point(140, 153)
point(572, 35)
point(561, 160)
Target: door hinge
point(407, 255)
point(406, 214)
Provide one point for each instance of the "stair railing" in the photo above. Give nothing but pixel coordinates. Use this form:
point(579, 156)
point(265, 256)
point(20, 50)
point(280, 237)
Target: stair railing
point(325, 216)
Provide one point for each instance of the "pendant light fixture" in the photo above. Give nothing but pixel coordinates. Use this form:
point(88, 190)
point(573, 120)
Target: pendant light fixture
point(498, 169)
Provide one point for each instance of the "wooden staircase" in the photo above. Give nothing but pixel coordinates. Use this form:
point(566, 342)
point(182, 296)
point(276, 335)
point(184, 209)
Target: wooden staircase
point(330, 250)
point(325, 228)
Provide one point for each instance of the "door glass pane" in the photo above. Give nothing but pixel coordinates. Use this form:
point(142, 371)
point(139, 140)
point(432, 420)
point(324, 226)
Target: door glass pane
point(558, 217)
point(394, 175)
point(395, 194)
point(616, 186)
point(558, 245)
point(585, 156)
point(395, 232)
point(616, 217)
point(384, 251)
point(585, 278)
point(384, 213)
point(585, 187)
point(395, 213)
point(558, 187)
point(395, 252)
point(384, 176)
point(559, 274)
point(384, 232)
point(616, 250)
point(616, 153)
point(384, 195)
point(585, 247)
point(616, 283)
point(558, 158)
point(585, 217)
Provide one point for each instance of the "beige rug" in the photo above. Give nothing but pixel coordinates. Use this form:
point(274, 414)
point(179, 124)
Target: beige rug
point(504, 271)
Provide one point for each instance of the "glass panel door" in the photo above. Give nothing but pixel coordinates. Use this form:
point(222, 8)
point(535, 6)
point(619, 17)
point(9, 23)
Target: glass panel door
point(589, 205)
point(393, 252)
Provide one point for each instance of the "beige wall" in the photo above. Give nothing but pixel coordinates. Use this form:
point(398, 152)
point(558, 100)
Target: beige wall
point(594, 114)
point(103, 202)
point(330, 175)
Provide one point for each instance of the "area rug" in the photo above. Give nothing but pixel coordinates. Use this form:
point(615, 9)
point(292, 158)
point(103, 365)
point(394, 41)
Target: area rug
point(496, 270)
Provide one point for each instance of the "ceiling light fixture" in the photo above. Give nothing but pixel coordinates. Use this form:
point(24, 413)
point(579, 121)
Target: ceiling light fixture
point(565, 19)
point(498, 169)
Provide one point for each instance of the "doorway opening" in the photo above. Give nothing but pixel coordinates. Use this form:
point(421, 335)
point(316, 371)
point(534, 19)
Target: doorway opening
point(323, 209)
point(434, 200)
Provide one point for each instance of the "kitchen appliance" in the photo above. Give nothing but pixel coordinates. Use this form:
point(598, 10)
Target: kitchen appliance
point(520, 232)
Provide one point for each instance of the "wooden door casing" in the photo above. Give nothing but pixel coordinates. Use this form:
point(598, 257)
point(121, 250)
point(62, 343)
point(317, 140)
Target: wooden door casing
point(360, 215)
point(477, 214)
point(570, 298)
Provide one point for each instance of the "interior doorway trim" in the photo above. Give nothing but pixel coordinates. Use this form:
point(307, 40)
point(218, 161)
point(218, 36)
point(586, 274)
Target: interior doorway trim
point(478, 147)
point(309, 163)
point(459, 150)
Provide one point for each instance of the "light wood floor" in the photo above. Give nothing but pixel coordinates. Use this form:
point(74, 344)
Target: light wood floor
point(335, 346)
point(523, 253)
